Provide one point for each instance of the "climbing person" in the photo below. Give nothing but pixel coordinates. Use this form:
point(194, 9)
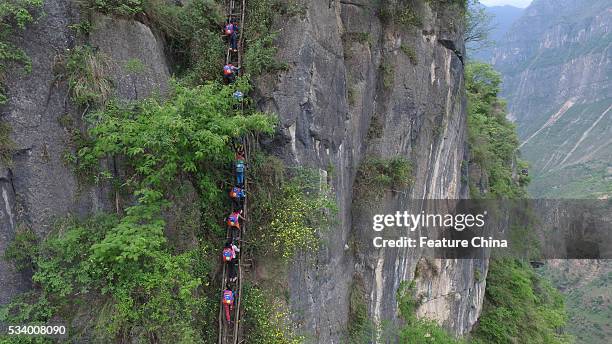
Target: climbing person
point(237, 195)
point(229, 72)
point(228, 302)
point(238, 95)
point(240, 165)
point(229, 251)
point(233, 221)
point(231, 31)
point(230, 258)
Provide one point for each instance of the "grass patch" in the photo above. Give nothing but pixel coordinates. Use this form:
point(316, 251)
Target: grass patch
point(360, 328)
point(399, 13)
point(23, 249)
point(375, 176)
point(87, 73)
point(411, 53)
point(388, 74)
point(7, 146)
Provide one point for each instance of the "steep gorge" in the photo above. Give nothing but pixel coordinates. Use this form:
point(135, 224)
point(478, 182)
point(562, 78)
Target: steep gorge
point(359, 84)
point(556, 65)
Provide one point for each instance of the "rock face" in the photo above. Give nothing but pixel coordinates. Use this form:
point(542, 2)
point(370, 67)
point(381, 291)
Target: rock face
point(359, 87)
point(556, 63)
point(39, 186)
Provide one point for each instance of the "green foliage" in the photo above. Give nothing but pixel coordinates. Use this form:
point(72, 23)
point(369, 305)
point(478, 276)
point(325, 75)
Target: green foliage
point(126, 8)
point(293, 207)
point(399, 13)
point(188, 135)
point(360, 327)
point(492, 138)
point(260, 54)
point(193, 34)
point(408, 17)
point(22, 249)
point(411, 53)
point(289, 8)
point(520, 307)
point(388, 74)
point(360, 37)
point(83, 27)
point(377, 175)
point(86, 71)
point(144, 290)
point(263, 322)
point(7, 146)
point(585, 285)
point(14, 14)
point(134, 66)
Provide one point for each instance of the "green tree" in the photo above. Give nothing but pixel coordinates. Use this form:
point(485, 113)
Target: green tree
point(520, 307)
point(492, 138)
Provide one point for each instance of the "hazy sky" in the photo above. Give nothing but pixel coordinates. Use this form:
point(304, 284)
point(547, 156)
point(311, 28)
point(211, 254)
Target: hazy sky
point(516, 3)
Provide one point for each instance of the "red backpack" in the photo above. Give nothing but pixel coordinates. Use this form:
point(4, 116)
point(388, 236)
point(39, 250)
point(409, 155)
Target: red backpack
point(229, 29)
point(227, 69)
point(228, 254)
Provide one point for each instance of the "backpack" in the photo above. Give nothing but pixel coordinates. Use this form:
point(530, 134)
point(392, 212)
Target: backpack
point(227, 70)
point(229, 29)
point(228, 297)
point(236, 193)
point(227, 254)
point(232, 220)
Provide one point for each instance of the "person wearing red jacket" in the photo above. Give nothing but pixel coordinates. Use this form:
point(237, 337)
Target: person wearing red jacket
point(228, 302)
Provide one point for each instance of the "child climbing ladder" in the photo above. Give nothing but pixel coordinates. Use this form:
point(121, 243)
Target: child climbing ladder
point(231, 279)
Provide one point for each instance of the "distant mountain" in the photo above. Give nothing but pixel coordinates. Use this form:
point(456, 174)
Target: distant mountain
point(556, 63)
point(556, 60)
point(503, 17)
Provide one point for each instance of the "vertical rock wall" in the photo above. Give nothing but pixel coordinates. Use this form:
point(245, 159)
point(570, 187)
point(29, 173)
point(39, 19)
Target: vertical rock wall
point(353, 91)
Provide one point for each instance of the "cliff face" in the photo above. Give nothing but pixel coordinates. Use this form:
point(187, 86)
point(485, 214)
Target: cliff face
point(357, 86)
point(556, 66)
point(353, 92)
point(39, 186)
